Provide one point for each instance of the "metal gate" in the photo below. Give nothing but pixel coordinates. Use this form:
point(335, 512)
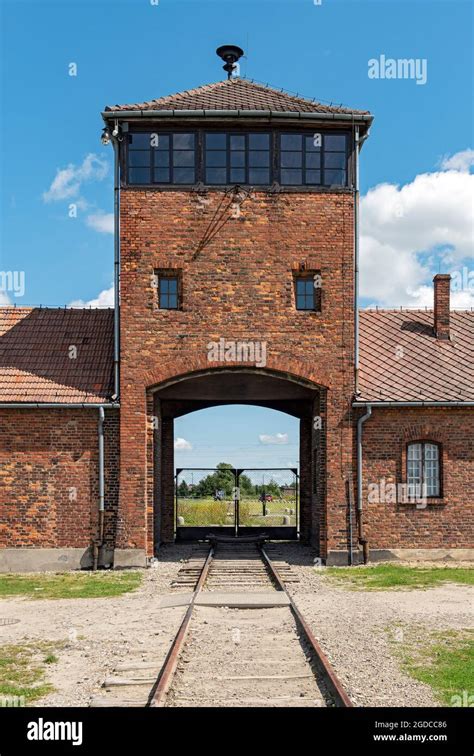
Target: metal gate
point(237, 501)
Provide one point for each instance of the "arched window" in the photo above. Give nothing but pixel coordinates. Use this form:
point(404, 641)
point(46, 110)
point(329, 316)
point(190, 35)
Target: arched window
point(423, 467)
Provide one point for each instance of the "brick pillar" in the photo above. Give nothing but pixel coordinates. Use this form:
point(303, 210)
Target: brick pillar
point(442, 283)
point(166, 488)
point(305, 479)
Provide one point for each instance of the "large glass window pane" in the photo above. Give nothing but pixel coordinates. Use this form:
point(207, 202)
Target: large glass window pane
point(313, 160)
point(414, 465)
point(291, 142)
point(291, 159)
point(313, 143)
point(216, 158)
point(162, 158)
point(335, 142)
point(237, 142)
point(237, 175)
point(334, 178)
point(161, 176)
point(216, 176)
point(183, 176)
point(183, 158)
point(313, 177)
point(160, 141)
point(183, 141)
point(237, 159)
point(335, 160)
point(139, 141)
point(259, 141)
point(259, 176)
point(138, 175)
point(291, 177)
point(216, 141)
point(139, 158)
point(431, 465)
point(259, 159)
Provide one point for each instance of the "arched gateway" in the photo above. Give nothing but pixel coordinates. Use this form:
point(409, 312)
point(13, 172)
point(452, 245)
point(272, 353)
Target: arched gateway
point(254, 386)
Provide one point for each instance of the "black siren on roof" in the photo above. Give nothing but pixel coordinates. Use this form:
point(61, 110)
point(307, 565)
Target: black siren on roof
point(230, 54)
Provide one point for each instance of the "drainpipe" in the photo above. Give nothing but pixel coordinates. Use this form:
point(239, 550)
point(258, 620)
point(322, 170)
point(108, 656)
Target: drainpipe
point(99, 541)
point(356, 259)
point(362, 539)
point(115, 143)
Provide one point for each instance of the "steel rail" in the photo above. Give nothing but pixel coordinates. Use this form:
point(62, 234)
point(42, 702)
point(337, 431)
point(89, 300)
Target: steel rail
point(332, 681)
point(163, 683)
point(159, 692)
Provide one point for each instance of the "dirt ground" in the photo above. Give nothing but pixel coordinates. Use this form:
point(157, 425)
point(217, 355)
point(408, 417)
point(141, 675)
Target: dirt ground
point(354, 628)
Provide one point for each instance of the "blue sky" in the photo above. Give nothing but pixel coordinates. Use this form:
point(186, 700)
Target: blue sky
point(132, 51)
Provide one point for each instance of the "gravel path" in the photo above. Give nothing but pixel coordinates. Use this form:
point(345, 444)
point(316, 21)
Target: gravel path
point(96, 634)
point(357, 629)
point(353, 627)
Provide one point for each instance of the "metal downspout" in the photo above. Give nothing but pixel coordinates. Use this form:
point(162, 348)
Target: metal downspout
point(362, 539)
point(115, 143)
point(356, 259)
point(99, 541)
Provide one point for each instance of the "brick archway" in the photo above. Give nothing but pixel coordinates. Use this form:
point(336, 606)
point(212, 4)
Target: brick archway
point(265, 387)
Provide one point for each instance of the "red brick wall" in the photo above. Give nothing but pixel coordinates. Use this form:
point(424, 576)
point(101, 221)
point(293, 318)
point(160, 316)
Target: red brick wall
point(444, 523)
point(49, 477)
point(238, 286)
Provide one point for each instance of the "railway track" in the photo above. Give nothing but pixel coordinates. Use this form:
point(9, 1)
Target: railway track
point(242, 641)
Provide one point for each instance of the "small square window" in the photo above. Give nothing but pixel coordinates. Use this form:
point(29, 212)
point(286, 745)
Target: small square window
point(168, 292)
point(307, 292)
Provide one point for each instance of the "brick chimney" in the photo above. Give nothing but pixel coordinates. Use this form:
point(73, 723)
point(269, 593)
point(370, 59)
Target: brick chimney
point(442, 284)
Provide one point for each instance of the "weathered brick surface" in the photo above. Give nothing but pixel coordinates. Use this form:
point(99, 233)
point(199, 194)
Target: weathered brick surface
point(49, 477)
point(444, 523)
point(238, 285)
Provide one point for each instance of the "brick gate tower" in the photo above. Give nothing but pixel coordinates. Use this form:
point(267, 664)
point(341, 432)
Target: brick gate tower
point(237, 209)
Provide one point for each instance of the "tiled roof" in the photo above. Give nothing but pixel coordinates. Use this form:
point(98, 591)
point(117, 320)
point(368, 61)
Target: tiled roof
point(236, 94)
point(401, 360)
point(35, 361)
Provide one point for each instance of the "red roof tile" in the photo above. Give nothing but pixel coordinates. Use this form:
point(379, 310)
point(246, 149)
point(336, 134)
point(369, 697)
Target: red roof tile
point(236, 94)
point(401, 360)
point(35, 362)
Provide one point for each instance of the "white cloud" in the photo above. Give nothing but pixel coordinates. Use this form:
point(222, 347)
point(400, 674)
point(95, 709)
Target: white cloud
point(278, 438)
point(4, 298)
point(182, 445)
point(461, 161)
point(102, 222)
point(104, 299)
point(68, 181)
point(407, 230)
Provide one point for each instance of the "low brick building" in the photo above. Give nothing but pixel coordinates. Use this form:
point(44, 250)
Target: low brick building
point(236, 271)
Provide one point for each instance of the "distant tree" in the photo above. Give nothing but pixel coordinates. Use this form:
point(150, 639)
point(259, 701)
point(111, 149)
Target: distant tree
point(183, 489)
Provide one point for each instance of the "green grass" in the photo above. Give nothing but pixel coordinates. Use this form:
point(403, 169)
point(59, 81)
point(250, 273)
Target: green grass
point(442, 660)
point(22, 671)
point(72, 585)
point(389, 576)
point(206, 511)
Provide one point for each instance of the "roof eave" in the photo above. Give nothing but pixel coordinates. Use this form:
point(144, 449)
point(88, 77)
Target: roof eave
point(365, 119)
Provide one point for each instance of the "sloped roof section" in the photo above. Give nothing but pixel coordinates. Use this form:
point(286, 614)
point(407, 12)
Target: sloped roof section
point(236, 94)
point(36, 359)
point(401, 359)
